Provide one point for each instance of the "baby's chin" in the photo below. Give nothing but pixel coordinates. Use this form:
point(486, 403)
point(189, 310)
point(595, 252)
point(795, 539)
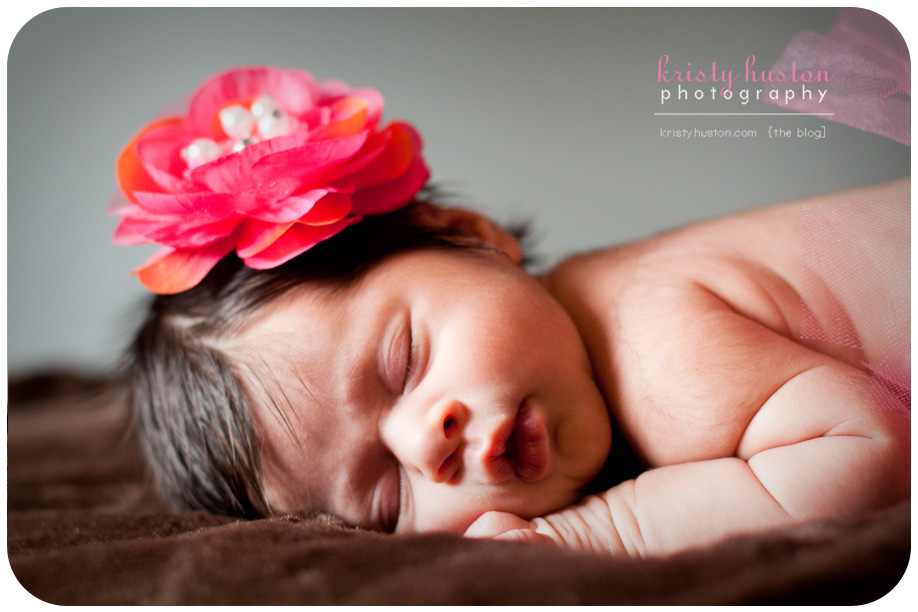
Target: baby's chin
point(581, 456)
point(543, 503)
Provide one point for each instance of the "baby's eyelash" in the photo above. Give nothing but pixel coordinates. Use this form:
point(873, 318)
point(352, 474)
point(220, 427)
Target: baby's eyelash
point(396, 503)
point(409, 360)
point(398, 498)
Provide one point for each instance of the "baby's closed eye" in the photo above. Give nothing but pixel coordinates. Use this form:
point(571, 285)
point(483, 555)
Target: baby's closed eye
point(400, 501)
point(391, 487)
point(397, 361)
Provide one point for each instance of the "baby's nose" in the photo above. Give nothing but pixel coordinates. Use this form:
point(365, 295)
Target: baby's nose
point(429, 441)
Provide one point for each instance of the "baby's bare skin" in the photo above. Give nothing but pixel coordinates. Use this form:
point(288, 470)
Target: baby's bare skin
point(694, 339)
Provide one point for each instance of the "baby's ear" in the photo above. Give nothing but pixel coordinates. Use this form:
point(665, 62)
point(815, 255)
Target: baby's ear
point(474, 224)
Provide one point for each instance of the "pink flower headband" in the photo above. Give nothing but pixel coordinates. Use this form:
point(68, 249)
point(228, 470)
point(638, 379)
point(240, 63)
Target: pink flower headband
point(266, 162)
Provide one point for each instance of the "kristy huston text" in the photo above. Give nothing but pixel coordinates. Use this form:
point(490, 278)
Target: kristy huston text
point(725, 79)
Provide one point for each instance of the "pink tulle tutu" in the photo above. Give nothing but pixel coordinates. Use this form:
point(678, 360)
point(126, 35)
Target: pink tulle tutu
point(860, 249)
point(857, 284)
point(868, 61)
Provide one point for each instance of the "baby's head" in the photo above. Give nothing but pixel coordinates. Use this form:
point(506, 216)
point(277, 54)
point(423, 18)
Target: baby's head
point(408, 375)
point(404, 373)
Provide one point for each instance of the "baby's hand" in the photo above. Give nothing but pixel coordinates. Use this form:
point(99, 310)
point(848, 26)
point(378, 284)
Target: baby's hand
point(505, 526)
point(586, 526)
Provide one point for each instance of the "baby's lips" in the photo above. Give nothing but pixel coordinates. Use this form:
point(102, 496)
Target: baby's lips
point(532, 455)
point(498, 467)
point(519, 447)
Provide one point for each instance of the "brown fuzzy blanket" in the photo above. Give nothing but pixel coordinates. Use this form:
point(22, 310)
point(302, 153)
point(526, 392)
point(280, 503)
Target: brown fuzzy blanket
point(85, 528)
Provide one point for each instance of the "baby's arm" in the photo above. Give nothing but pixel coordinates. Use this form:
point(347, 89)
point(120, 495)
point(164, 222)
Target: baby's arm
point(816, 448)
point(855, 465)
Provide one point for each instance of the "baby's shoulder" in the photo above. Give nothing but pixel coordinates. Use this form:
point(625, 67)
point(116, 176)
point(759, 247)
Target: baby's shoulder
point(687, 342)
point(644, 283)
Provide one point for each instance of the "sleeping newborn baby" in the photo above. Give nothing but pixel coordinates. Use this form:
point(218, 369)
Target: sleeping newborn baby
point(443, 387)
point(389, 360)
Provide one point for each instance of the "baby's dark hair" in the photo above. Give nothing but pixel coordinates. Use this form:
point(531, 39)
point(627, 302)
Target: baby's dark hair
point(190, 404)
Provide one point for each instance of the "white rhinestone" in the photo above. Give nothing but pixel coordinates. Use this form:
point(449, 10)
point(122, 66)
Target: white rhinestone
point(264, 106)
point(237, 122)
point(201, 151)
point(241, 144)
point(275, 124)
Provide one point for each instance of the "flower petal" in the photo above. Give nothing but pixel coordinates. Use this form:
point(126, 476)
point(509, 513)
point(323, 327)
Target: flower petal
point(234, 172)
point(311, 162)
point(275, 189)
point(118, 205)
point(333, 88)
point(202, 205)
point(330, 209)
point(375, 104)
point(374, 146)
point(299, 238)
point(392, 195)
point(126, 235)
point(255, 236)
point(132, 173)
point(174, 270)
point(181, 221)
point(348, 116)
point(160, 150)
point(174, 231)
point(321, 205)
point(295, 90)
point(402, 147)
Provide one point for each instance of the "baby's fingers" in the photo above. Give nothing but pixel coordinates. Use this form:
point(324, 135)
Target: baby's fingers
point(493, 524)
point(507, 527)
point(524, 535)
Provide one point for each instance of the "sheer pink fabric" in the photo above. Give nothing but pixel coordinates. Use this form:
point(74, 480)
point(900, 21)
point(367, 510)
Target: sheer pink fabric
point(856, 289)
point(868, 62)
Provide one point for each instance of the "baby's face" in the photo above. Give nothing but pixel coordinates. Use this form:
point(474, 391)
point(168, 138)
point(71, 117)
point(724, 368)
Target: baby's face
point(441, 386)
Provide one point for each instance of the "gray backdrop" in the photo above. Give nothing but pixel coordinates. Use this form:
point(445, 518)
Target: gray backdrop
point(538, 114)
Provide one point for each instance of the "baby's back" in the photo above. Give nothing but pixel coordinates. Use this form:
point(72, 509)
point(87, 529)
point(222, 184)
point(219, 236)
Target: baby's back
point(693, 333)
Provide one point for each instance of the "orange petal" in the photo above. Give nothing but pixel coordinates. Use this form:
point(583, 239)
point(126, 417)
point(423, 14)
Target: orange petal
point(354, 119)
point(132, 176)
point(402, 145)
point(175, 270)
point(329, 209)
point(255, 236)
point(296, 240)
